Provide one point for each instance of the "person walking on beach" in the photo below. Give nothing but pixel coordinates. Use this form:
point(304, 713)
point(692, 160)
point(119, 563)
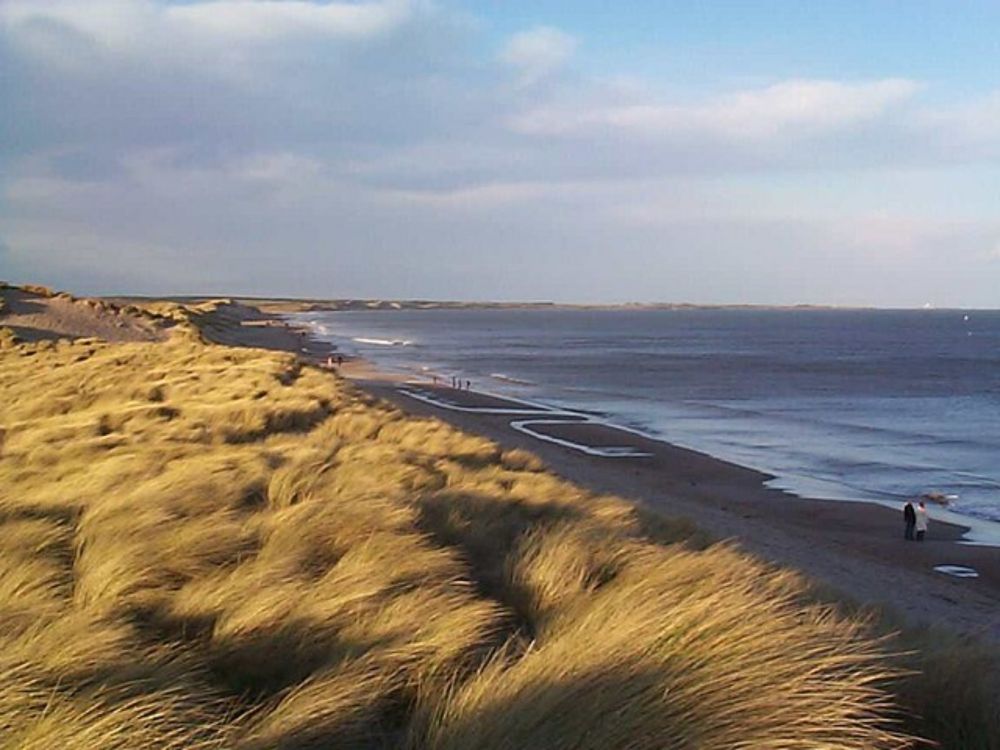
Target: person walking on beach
point(909, 519)
point(921, 523)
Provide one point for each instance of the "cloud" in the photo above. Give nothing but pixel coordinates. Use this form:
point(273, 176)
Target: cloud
point(971, 128)
point(267, 19)
point(804, 107)
point(538, 51)
point(378, 148)
point(113, 23)
point(110, 76)
point(277, 167)
point(234, 41)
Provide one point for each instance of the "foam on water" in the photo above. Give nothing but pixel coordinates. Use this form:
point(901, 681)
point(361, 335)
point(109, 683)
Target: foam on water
point(381, 342)
point(503, 378)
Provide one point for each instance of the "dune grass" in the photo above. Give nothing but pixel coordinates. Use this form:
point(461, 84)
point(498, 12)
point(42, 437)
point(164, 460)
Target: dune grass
point(210, 547)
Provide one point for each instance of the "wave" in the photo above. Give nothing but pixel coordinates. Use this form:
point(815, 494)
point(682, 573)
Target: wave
point(382, 342)
point(510, 379)
point(823, 419)
point(318, 328)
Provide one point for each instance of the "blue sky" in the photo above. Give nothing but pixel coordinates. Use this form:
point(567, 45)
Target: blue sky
point(692, 43)
point(768, 152)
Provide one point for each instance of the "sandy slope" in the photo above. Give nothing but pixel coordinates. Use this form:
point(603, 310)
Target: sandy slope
point(34, 317)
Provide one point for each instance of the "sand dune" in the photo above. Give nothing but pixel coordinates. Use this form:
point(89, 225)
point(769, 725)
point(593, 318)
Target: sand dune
point(35, 314)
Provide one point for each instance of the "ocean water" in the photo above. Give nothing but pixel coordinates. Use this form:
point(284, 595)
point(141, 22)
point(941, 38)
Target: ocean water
point(853, 405)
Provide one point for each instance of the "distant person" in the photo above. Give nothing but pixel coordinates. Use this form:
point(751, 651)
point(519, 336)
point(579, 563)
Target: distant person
point(329, 362)
point(340, 360)
point(468, 385)
point(921, 521)
point(909, 520)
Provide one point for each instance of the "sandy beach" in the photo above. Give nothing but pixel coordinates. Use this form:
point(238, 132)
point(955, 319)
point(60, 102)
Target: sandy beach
point(855, 548)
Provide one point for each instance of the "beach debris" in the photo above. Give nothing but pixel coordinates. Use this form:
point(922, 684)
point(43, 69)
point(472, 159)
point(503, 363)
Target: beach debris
point(958, 571)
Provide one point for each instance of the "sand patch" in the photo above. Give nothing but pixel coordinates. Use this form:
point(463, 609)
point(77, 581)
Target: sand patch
point(34, 315)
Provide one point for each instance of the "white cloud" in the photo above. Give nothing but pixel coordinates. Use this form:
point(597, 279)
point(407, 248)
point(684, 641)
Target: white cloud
point(268, 19)
point(289, 145)
point(974, 124)
point(147, 29)
point(110, 23)
point(798, 106)
point(538, 52)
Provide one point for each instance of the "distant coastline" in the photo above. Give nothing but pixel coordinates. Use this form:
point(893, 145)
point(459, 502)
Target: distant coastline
point(307, 304)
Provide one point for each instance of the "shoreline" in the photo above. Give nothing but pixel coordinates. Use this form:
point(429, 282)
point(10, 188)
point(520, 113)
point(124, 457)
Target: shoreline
point(854, 547)
point(976, 530)
point(837, 459)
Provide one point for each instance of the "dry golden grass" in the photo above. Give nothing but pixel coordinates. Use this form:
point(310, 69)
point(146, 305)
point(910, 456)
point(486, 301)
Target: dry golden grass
point(640, 648)
point(209, 547)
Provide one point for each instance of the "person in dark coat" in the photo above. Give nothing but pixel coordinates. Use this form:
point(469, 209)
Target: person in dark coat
point(909, 519)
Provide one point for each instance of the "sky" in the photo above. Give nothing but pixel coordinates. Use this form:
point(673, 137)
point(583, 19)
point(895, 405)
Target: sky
point(771, 152)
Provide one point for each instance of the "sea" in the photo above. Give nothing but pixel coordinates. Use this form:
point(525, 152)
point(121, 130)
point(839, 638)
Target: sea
point(876, 405)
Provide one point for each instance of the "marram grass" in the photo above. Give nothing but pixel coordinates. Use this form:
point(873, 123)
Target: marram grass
point(207, 547)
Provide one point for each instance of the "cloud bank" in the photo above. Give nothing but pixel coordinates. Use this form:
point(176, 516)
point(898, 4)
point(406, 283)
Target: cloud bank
point(392, 149)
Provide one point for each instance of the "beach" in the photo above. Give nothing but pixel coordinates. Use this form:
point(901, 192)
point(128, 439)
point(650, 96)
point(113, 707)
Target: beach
point(854, 548)
point(402, 375)
point(332, 551)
